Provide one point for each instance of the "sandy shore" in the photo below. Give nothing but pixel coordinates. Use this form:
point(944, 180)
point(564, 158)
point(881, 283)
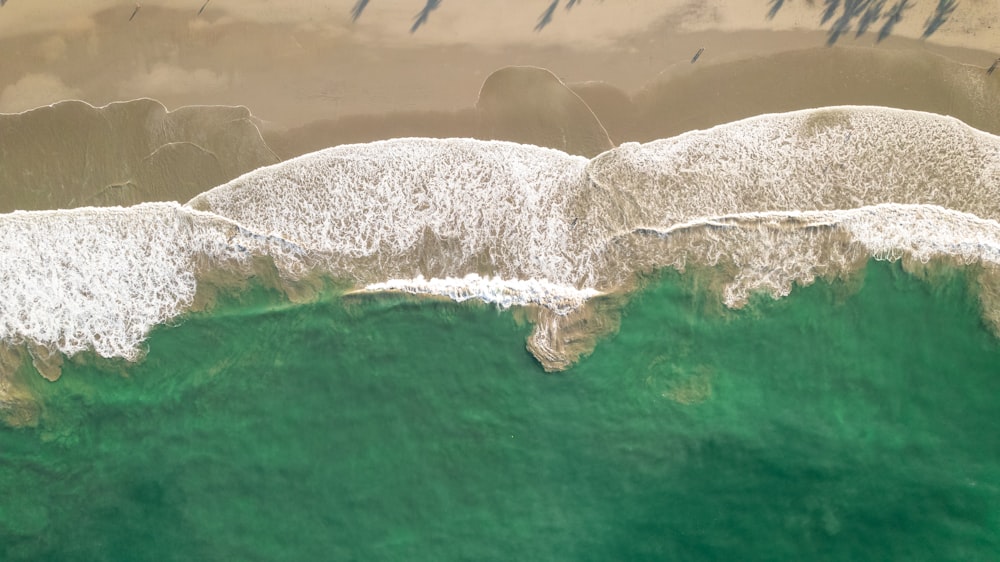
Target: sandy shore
point(312, 77)
point(306, 60)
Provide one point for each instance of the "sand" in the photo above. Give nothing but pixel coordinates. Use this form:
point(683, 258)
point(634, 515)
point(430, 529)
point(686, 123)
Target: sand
point(306, 60)
point(313, 78)
point(72, 154)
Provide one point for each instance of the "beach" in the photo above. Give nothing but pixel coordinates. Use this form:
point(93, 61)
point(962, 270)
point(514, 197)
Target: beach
point(311, 62)
point(568, 280)
point(310, 77)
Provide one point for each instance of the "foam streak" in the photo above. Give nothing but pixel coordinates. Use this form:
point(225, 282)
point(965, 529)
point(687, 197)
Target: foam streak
point(505, 293)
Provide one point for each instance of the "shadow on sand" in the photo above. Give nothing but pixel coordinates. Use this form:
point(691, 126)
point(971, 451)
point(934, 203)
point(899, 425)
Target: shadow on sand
point(942, 12)
point(861, 15)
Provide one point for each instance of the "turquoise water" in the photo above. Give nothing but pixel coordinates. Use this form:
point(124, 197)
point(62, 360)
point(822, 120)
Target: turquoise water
point(828, 425)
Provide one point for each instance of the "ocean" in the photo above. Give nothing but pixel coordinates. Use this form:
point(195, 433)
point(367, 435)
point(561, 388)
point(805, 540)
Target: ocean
point(829, 425)
point(729, 345)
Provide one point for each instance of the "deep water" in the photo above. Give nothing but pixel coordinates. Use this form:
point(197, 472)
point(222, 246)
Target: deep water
point(832, 425)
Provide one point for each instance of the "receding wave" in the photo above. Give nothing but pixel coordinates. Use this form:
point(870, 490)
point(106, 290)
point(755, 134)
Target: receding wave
point(820, 159)
point(775, 200)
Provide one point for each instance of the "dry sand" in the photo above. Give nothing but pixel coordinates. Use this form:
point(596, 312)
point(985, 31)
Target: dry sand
point(300, 60)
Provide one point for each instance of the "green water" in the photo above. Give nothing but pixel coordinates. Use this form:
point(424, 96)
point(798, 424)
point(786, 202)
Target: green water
point(822, 426)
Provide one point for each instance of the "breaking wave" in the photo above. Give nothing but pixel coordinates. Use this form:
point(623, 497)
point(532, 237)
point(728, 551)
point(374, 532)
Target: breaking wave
point(408, 207)
point(100, 278)
point(777, 199)
point(771, 251)
point(504, 293)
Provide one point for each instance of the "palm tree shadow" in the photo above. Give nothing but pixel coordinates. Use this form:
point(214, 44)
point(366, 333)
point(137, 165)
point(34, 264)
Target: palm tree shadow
point(776, 6)
point(842, 14)
point(358, 8)
point(852, 9)
point(871, 15)
point(829, 11)
point(421, 17)
point(941, 14)
point(892, 17)
point(546, 17)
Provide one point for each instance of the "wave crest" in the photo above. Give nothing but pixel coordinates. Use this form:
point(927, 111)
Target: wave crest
point(504, 293)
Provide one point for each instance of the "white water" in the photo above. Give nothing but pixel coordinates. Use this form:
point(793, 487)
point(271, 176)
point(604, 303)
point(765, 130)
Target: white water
point(776, 249)
point(504, 293)
point(817, 159)
point(100, 278)
point(783, 198)
point(406, 207)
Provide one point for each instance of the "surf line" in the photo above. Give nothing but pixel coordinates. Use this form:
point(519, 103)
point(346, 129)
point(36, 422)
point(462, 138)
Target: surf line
point(561, 299)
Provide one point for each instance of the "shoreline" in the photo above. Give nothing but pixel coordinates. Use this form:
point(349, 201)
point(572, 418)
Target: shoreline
point(583, 223)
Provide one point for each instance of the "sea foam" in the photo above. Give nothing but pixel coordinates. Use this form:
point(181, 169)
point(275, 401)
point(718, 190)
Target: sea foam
point(504, 293)
point(778, 199)
point(409, 207)
point(100, 278)
point(817, 159)
point(774, 250)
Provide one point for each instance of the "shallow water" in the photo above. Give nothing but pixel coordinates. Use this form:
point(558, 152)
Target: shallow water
point(828, 425)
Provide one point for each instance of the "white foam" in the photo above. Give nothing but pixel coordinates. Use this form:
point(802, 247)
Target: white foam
point(100, 278)
point(442, 208)
point(783, 198)
point(817, 159)
point(504, 293)
point(924, 232)
point(778, 248)
point(404, 207)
